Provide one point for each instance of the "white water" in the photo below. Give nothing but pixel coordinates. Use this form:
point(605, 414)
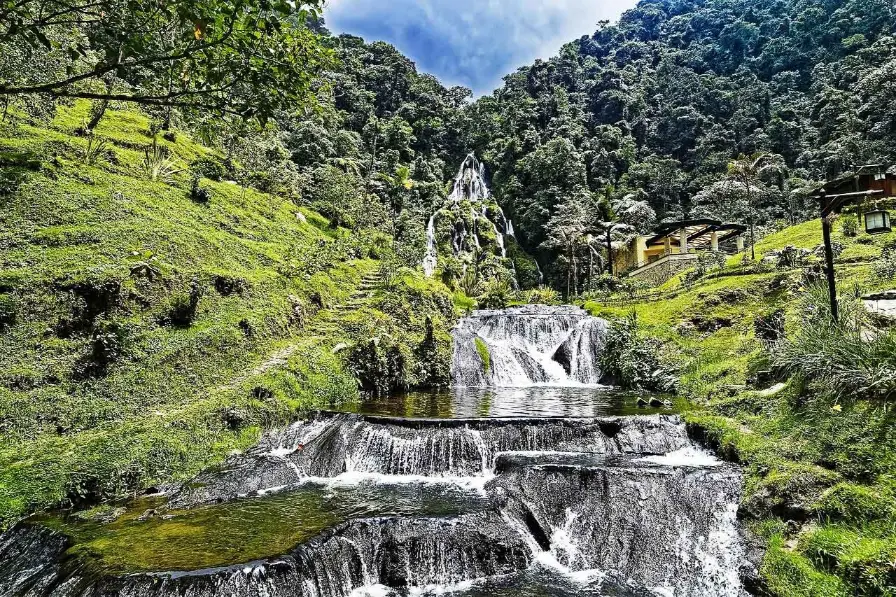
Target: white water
point(532, 345)
point(469, 185)
point(431, 259)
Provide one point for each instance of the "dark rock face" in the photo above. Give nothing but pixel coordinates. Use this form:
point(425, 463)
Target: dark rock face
point(573, 498)
point(335, 444)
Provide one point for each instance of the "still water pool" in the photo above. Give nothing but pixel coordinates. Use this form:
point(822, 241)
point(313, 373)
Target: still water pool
point(533, 401)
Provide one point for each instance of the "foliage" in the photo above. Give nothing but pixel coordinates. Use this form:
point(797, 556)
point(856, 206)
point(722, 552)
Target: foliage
point(495, 295)
point(850, 226)
point(707, 261)
point(885, 266)
point(631, 359)
point(248, 59)
point(484, 355)
point(158, 164)
point(96, 148)
point(543, 295)
point(838, 360)
point(656, 107)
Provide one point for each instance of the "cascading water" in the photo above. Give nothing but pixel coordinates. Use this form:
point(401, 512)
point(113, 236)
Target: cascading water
point(527, 346)
point(431, 259)
point(577, 506)
point(470, 187)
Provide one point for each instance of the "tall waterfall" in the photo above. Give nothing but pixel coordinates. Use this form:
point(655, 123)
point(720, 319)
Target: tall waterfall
point(469, 186)
point(524, 346)
point(431, 258)
point(470, 182)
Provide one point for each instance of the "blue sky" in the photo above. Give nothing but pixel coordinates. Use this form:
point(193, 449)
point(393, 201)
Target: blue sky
point(469, 42)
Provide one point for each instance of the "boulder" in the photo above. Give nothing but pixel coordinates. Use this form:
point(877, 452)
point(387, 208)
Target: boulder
point(881, 306)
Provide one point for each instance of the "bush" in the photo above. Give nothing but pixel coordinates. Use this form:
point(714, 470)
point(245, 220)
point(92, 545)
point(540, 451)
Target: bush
point(543, 295)
point(836, 358)
point(496, 295)
point(210, 168)
point(183, 306)
point(632, 361)
point(850, 227)
point(885, 266)
point(9, 308)
point(707, 261)
point(379, 366)
point(791, 257)
point(199, 193)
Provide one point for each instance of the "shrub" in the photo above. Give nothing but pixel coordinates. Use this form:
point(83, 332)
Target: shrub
point(199, 193)
point(791, 257)
point(96, 148)
point(885, 266)
point(184, 305)
point(9, 308)
point(158, 164)
point(632, 360)
point(850, 227)
point(210, 168)
point(379, 366)
point(496, 295)
point(838, 360)
point(707, 261)
point(543, 295)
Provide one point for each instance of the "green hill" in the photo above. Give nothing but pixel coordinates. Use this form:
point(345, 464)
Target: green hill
point(148, 330)
point(818, 454)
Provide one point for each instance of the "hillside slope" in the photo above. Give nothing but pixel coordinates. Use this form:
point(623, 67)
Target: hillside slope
point(146, 330)
point(819, 466)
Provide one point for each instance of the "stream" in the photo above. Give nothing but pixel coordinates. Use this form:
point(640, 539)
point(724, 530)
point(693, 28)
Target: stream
point(528, 478)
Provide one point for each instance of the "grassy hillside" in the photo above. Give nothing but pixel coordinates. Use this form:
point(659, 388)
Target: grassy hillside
point(145, 331)
point(820, 470)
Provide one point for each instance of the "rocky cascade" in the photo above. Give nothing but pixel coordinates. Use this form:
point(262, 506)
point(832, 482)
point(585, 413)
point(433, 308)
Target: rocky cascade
point(334, 445)
point(524, 346)
point(614, 506)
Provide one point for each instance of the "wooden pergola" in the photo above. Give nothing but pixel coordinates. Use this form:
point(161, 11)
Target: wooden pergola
point(700, 234)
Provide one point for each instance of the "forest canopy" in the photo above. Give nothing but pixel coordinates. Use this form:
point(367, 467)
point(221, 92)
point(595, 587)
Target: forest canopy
point(730, 109)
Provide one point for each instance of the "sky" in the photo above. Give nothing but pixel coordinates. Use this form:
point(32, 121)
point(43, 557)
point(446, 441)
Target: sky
point(473, 43)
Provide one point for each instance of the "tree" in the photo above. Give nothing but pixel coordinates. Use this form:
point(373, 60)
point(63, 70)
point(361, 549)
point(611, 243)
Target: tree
point(248, 58)
point(749, 171)
point(566, 232)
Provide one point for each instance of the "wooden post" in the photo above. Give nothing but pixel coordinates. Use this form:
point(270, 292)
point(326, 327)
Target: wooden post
point(829, 256)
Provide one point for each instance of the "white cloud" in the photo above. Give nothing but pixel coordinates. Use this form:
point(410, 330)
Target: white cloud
point(469, 42)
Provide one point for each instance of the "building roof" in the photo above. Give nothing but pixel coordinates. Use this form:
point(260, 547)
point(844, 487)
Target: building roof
point(699, 232)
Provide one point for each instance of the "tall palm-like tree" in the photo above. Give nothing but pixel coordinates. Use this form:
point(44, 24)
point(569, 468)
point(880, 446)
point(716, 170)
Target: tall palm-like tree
point(749, 170)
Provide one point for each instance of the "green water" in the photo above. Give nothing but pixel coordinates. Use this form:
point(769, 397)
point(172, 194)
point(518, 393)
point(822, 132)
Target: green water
point(533, 401)
point(244, 530)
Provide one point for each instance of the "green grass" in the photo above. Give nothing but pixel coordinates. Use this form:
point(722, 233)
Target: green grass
point(484, 355)
point(818, 484)
point(91, 252)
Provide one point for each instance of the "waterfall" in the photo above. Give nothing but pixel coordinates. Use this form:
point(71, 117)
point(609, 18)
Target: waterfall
point(431, 258)
point(535, 344)
point(510, 231)
point(469, 185)
point(539, 503)
point(469, 182)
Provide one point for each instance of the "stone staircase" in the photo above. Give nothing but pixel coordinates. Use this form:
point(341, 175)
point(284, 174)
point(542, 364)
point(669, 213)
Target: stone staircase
point(365, 291)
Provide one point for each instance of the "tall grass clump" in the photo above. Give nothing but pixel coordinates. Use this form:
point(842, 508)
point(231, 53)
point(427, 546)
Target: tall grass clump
point(844, 361)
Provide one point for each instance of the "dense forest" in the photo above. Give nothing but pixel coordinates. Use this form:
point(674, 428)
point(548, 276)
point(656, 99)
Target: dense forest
point(724, 108)
point(644, 117)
